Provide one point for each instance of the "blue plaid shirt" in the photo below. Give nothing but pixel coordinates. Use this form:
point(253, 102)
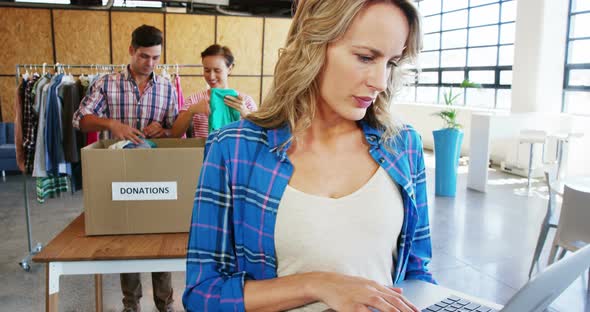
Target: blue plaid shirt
point(244, 175)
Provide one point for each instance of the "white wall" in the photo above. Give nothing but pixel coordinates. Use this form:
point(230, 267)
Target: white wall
point(505, 130)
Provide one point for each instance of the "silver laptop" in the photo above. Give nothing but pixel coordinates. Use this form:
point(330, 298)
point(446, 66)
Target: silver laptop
point(534, 296)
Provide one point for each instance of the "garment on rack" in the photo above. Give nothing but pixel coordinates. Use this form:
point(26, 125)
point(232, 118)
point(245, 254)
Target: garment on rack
point(51, 187)
point(18, 125)
point(39, 170)
point(179, 91)
point(31, 121)
point(72, 139)
point(54, 158)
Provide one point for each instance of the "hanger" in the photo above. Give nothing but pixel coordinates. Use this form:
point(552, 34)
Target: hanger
point(44, 71)
point(25, 76)
point(165, 73)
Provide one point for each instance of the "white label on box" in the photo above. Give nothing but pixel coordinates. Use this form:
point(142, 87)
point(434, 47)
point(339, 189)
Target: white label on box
point(144, 191)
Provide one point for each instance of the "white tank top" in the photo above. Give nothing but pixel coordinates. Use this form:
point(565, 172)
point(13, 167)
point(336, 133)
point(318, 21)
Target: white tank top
point(354, 235)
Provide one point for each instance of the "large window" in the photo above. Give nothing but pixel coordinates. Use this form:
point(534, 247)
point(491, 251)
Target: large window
point(576, 83)
point(466, 39)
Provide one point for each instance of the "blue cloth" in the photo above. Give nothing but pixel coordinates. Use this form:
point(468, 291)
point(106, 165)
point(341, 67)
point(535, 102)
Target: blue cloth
point(244, 175)
point(145, 144)
point(54, 154)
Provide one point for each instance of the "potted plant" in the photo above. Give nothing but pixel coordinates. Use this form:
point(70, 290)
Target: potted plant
point(447, 143)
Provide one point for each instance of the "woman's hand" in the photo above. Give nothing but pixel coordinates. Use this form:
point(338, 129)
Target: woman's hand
point(201, 107)
point(348, 293)
point(237, 103)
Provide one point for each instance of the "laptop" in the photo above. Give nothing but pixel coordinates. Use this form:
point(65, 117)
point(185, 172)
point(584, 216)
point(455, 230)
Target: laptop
point(534, 296)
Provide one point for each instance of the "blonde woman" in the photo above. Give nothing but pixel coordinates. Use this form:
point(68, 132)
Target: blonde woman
point(218, 62)
point(318, 200)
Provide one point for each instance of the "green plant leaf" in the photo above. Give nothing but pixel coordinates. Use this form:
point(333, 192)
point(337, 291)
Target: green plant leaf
point(469, 84)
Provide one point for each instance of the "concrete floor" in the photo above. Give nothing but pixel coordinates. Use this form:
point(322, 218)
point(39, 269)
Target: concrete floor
point(482, 246)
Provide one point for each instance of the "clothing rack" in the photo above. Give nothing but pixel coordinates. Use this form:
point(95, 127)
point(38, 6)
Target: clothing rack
point(25, 263)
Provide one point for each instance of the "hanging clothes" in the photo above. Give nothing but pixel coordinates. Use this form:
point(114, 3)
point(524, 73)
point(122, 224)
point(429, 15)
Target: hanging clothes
point(18, 125)
point(178, 87)
point(31, 120)
point(51, 187)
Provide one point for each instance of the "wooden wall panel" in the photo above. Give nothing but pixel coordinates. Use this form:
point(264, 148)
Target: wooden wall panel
point(81, 37)
point(25, 35)
point(266, 83)
point(248, 85)
point(191, 85)
point(243, 35)
point(186, 36)
point(275, 34)
point(7, 97)
point(123, 24)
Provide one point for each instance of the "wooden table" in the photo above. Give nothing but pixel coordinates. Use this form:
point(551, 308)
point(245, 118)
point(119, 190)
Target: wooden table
point(71, 252)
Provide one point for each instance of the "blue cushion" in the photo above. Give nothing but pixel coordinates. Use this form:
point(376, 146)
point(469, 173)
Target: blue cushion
point(7, 151)
point(6, 132)
point(3, 132)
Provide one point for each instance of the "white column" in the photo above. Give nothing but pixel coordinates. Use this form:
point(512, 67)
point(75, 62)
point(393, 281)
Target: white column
point(539, 53)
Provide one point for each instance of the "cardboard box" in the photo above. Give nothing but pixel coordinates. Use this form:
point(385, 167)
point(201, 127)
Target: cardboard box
point(134, 191)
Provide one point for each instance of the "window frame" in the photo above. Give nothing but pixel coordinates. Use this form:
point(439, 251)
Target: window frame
point(497, 68)
point(568, 67)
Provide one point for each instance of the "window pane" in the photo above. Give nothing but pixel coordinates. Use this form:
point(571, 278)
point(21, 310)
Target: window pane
point(576, 102)
point(580, 77)
point(453, 76)
point(427, 94)
point(455, 20)
point(428, 7)
point(454, 5)
point(431, 24)
point(580, 5)
point(480, 97)
point(504, 99)
point(482, 76)
point(509, 11)
point(578, 52)
point(479, 2)
point(484, 15)
point(580, 26)
point(428, 59)
point(454, 39)
point(507, 33)
point(506, 77)
point(482, 56)
point(406, 94)
point(428, 77)
point(506, 55)
point(453, 58)
point(483, 36)
point(431, 42)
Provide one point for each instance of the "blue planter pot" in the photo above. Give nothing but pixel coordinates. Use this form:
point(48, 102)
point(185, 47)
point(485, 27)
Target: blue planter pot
point(447, 149)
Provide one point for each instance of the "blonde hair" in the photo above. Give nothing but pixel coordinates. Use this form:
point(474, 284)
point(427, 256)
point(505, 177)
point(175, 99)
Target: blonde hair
point(294, 93)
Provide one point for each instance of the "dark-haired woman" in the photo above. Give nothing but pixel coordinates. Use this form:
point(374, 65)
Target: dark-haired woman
point(218, 62)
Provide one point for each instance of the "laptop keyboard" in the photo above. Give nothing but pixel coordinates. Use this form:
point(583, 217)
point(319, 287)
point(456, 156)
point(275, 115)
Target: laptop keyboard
point(456, 304)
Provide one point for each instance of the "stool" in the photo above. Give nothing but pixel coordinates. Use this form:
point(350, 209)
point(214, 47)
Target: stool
point(532, 137)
